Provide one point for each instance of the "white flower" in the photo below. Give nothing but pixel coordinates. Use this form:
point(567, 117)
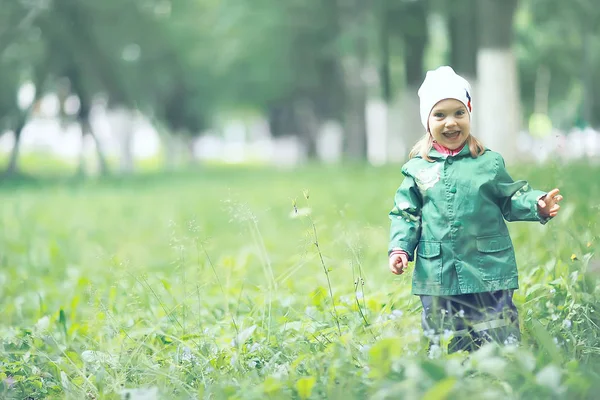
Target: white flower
point(429, 333)
point(550, 377)
point(567, 324)
point(511, 340)
point(435, 351)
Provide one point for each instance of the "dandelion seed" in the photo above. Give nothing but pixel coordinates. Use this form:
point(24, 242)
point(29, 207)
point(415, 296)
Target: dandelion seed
point(300, 212)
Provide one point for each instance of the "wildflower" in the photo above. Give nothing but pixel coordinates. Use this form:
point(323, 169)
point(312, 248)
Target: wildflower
point(435, 351)
point(461, 313)
point(573, 257)
point(447, 334)
point(429, 333)
point(550, 377)
point(510, 340)
point(567, 324)
point(396, 314)
point(254, 347)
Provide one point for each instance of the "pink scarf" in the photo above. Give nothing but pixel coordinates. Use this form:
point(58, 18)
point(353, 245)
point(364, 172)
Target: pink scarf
point(445, 150)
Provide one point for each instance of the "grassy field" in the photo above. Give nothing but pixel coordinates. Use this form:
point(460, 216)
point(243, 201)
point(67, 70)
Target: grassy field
point(207, 284)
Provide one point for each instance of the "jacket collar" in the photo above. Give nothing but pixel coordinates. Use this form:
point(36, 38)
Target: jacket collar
point(433, 153)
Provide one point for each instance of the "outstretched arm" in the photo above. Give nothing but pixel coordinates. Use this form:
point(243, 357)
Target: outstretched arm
point(519, 202)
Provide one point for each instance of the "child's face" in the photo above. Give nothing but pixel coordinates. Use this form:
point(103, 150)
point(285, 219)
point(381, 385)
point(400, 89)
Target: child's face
point(450, 123)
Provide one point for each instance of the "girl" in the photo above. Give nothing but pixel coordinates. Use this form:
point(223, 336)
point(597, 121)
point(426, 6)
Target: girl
point(451, 207)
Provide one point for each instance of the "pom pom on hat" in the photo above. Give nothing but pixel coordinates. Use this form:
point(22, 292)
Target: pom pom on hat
point(439, 84)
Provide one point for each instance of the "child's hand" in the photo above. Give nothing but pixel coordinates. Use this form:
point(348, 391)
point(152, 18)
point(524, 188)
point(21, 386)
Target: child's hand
point(398, 263)
point(548, 206)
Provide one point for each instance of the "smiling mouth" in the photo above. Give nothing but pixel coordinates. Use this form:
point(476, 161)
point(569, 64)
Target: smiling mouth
point(452, 134)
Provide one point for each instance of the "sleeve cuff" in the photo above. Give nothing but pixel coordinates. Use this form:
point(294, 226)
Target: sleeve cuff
point(405, 247)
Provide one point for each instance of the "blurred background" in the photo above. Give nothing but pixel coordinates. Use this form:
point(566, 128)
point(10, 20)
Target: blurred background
point(123, 86)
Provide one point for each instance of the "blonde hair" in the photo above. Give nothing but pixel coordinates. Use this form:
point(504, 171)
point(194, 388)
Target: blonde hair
point(425, 144)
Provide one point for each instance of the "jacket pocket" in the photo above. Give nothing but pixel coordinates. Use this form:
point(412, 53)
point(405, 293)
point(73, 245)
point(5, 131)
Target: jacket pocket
point(428, 267)
point(496, 257)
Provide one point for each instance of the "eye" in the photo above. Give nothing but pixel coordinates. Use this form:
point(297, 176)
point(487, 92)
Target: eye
point(460, 112)
point(438, 115)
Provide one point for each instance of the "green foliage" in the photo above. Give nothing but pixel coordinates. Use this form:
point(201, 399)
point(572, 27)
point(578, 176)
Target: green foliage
point(210, 285)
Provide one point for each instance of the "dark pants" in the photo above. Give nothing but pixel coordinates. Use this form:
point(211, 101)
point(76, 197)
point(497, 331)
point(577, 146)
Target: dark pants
point(472, 319)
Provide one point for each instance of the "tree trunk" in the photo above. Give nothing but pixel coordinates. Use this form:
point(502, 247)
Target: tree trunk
point(462, 29)
point(404, 122)
point(122, 124)
point(384, 40)
point(86, 129)
point(12, 167)
point(353, 16)
point(498, 80)
point(355, 118)
point(308, 123)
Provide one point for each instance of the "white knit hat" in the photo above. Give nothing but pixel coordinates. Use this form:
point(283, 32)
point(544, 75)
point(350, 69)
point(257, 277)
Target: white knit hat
point(439, 84)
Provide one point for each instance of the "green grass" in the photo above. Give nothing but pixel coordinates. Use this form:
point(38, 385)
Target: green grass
point(203, 284)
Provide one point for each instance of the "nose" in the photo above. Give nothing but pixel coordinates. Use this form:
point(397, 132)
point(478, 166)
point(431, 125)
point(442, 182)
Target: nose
point(450, 121)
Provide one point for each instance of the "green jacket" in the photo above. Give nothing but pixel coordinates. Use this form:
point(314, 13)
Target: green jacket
point(453, 212)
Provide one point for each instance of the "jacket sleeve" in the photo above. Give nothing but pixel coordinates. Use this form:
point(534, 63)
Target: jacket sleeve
point(405, 217)
point(517, 200)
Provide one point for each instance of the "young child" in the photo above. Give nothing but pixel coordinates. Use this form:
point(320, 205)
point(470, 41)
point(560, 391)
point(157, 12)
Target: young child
point(451, 207)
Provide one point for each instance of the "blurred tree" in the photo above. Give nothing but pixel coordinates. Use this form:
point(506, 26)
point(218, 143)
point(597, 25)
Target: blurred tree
point(407, 21)
point(497, 77)
point(353, 17)
point(463, 32)
point(558, 48)
point(19, 51)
